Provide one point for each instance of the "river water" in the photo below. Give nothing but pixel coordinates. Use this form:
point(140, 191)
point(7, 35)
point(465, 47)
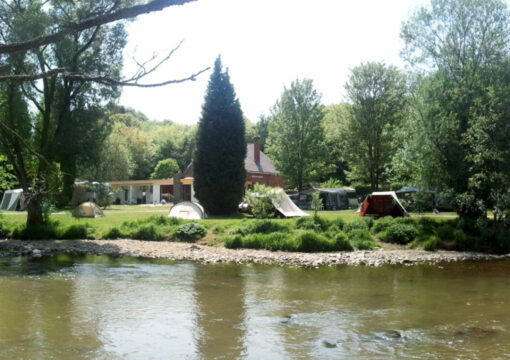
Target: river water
point(95, 307)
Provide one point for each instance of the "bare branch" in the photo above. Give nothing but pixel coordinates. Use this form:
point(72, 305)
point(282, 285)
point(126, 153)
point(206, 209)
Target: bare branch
point(126, 13)
point(132, 83)
point(105, 80)
point(142, 71)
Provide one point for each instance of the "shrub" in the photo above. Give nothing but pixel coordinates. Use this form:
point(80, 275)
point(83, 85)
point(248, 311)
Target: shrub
point(234, 242)
point(318, 223)
point(431, 244)
point(399, 234)
point(369, 221)
point(361, 239)
point(190, 232)
point(462, 241)
point(36, 232)
point(112, 234)
point(339, 222)
point(357, 224)
point(445, 232)
point(146, 232)
point(342, 243)
point(261, 227)
point(261, 200)
point(382, 224)
point(310, 241)
point(75, 232)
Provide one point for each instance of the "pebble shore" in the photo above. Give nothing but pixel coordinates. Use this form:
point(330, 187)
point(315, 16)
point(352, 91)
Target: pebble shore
point(207, 254)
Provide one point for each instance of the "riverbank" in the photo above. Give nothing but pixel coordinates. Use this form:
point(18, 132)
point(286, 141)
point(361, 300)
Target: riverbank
point(207, 254)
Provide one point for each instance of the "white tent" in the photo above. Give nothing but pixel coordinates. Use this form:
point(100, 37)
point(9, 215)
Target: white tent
point(188, 210)
point(286, 206)
point(12, 200)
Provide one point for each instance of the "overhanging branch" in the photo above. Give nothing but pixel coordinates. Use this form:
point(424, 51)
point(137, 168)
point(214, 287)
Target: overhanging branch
point(127, 13)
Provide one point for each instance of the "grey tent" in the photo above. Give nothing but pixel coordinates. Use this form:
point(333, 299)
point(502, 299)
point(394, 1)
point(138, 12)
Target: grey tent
point(87, 210)
point(332, 198)
point(13, 200)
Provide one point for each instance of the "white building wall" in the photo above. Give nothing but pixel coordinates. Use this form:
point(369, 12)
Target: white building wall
point(156, 193)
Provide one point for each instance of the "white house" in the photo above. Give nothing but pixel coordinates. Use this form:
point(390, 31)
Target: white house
point(143, 191)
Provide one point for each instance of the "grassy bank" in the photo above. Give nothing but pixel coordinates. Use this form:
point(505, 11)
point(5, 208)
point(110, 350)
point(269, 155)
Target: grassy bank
point(331, 231)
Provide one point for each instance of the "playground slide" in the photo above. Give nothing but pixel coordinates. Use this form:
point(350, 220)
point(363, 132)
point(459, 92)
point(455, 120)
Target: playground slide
point(287, 208)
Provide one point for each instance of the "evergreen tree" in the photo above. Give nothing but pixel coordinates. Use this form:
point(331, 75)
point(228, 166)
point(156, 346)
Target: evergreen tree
point(219, 170)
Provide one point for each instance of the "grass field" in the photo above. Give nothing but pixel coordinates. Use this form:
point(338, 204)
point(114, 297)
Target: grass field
point(117, 215)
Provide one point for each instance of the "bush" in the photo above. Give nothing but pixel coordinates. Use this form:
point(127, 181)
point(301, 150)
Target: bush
point(261, 200)
point(369, 221)
point(190, 232)
point(462, 241)
point(361, 239)
point(36, 232)
point(342, 243)
point(147, 232)
point(234, 242)
point(357, 224)
point(261, 227)
point(431, 244)
point(112, 234)
point(313, 223)
point(399, 234)
point(75, 232)
point(339, 222)
point(382, 224)
point(310, 241)
point(445, 232)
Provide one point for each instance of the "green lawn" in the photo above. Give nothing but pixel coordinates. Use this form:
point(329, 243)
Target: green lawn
point(116, 215)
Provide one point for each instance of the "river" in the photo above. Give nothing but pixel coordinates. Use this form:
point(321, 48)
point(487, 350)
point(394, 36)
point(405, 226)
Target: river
point(96, 307)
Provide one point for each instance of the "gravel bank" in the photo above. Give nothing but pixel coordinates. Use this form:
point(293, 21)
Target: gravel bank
point(207, 254)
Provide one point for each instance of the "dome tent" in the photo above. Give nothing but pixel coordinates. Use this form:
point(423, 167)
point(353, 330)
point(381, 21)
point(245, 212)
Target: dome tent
point(88, 210)
point(188, 210)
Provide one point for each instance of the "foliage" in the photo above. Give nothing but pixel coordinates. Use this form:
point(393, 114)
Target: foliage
point(165, 169)
point(462, 102)
point(378, 96)
point(219, 170)
point(342, 242)
point(75, 232)
point(431, 244)
point(315, 223)
point(331, 183)
point(357, 224)
point(261, 199)
point(317, 204)
point(7, 178)
point(398, 234)
point(112, 234)
point(104, 195)
point(296, 137)
point(190, 232)
point(261, 227)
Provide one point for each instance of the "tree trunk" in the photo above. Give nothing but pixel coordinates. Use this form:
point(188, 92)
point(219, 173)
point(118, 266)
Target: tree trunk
point(35, 212)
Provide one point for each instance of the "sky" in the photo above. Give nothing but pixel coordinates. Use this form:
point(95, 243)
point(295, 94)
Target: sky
point(265, 44)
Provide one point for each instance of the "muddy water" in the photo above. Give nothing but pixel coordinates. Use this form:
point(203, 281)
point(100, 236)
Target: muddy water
point(101, 308)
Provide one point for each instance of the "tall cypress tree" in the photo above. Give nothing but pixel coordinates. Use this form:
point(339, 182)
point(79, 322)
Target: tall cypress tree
point(219, 170)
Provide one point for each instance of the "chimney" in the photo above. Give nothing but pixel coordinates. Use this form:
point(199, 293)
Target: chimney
point(256, 150)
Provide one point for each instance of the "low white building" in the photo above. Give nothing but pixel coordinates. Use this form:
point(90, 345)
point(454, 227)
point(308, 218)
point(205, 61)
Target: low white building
point(143, 191)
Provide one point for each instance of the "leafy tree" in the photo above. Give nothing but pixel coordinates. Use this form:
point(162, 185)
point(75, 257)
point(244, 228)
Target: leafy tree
point(115, 161)
point(378, 96)
point(7, 178)
point(296, 137)
point(317, 204)
point(219, 170)
point(335, 123)
point(165, 169)
point(463, 107)
point(262, 130)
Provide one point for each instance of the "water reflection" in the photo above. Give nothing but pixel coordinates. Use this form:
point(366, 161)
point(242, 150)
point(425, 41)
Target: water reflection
point(97, 307)
point(220, 297)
